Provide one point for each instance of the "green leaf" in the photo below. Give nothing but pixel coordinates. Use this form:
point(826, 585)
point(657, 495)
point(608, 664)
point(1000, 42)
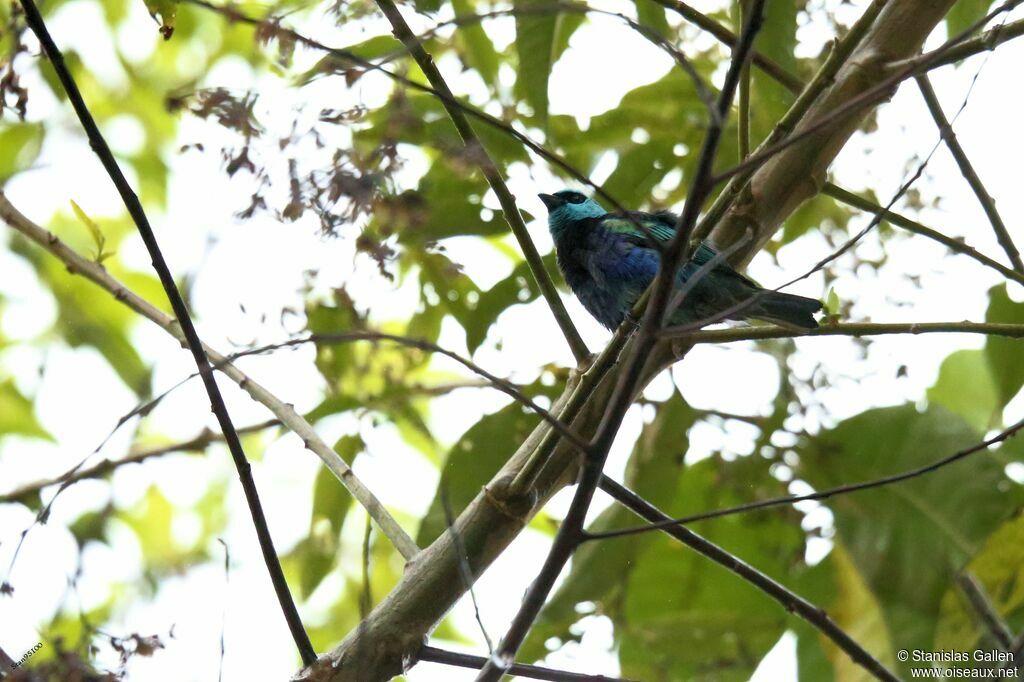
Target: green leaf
point(967, 387)
point(99, 241)
point(777, 41)
point(1004, 354)
point(20, 143)
point(599, 569)
point(86, 316)
point(17, 415)
point(907, 540)
point(963, 14)
point(540, 41)
point(686, 618)
point(317, 554)
point(471, 463)
point(857, 611)
point(475, 45)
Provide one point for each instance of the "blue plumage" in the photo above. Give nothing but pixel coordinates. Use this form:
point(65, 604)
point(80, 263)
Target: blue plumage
point(608, 262)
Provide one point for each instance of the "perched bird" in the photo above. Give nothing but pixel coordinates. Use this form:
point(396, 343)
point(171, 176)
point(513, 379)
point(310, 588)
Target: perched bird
point(608, 262)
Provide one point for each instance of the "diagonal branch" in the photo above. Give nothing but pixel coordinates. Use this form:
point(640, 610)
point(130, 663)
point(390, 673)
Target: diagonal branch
point(200, 442)
point(77, 264)
point(988, 204)
point(191, 338)
point(533, 672)
point(791, 601)
point(847, 197)
point(570, 532)
point(478, 152)
point(786, 500)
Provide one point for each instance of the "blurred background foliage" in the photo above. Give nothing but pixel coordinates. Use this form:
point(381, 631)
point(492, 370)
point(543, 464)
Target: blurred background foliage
point(890, 578)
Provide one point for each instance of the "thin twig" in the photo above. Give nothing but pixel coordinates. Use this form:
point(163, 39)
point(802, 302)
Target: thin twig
point(970, 174)
point(135, 210)
point(808, 94)
point(77, 264)
point(791, 601)
point(986, 611)
point(534, 672)
point(820, 495)
point(503, 385)
point(200, 442)
point(476, 150)
point(728, 38)
point(857, 329)
point(465, 570)
point(953, 243)
point(985, 42)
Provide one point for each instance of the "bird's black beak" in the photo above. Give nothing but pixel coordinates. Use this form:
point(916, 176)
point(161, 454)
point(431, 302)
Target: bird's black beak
point(551, 201)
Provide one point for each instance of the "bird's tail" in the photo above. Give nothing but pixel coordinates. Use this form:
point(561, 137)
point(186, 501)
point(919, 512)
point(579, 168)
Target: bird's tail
point(786, 309)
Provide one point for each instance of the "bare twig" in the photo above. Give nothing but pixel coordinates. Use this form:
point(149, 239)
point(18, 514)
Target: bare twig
point(986, 611)
point(77, 264)
point(503, 385)
point(200, 442)
point(727, 37)
point(954, 244)
point(533, 672)
point(791, 601)
point(134, 206)
point(823, 494)
point(988, 204)
point(1015, 331)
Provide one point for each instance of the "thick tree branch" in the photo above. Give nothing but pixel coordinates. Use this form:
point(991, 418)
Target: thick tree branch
point(988, 204)
point(77, 264)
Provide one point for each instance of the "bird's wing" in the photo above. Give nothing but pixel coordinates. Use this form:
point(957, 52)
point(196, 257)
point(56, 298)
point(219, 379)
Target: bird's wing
point(661, 226)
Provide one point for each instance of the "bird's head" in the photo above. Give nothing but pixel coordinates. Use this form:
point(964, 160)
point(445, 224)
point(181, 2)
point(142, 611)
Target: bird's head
point(567, 207)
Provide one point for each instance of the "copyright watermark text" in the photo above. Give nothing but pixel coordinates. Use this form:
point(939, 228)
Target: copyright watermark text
point(1000, 664)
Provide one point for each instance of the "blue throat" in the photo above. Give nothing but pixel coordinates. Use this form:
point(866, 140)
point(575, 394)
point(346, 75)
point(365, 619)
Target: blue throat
point(563, 218)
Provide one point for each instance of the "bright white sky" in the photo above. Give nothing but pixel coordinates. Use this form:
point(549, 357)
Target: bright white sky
point(260, 266)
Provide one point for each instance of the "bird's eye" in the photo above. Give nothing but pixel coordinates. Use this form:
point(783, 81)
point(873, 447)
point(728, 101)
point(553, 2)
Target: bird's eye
point(576, 198)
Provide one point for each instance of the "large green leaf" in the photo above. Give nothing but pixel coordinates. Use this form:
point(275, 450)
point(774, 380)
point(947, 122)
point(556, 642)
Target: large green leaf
point(599, 569)
point(318, 552)
point(475, 45)
point(967, 387)
point(540, 40)
point(687, 618)
point(1005, 355)
point(17, 415)
point(963, 14)
point(472, 461)
point(20, 143)
point(907, 540)
point(999, 570)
